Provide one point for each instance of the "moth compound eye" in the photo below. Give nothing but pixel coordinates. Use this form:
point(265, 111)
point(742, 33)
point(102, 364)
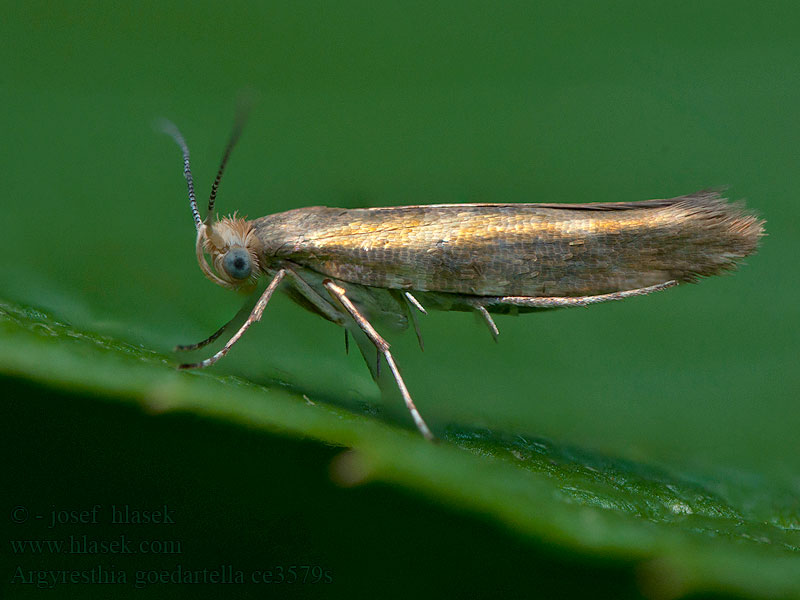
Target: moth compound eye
point(237, 263)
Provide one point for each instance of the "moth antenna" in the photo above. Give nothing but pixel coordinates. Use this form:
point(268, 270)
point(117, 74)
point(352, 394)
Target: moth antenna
point(172, 130)
point(242, 113)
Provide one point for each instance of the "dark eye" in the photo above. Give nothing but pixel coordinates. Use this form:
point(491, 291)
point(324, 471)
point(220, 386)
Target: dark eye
point(237, 263)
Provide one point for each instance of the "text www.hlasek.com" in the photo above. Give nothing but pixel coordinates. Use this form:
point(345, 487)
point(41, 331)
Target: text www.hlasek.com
point(84, 544)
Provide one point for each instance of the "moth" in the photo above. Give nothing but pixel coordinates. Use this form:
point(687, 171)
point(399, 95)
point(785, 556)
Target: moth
point(364, 266)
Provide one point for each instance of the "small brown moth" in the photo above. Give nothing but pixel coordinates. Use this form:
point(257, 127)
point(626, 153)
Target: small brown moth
point(364, 265)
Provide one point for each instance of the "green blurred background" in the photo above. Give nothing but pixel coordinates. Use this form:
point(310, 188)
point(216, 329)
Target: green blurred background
point(369, 104)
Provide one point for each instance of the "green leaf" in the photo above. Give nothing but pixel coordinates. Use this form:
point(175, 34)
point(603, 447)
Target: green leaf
point(688, 532)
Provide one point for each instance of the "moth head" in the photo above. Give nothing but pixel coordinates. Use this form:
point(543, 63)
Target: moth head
point(230, 242)
point(233, 249)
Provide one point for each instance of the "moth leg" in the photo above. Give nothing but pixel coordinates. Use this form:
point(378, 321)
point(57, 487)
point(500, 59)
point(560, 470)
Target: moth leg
point(213, 336)
point(205, 342)
point(383, 348)
point(556, 301)
point(318, 301)
point(254, 317)
point(489, 321)
point(412, 302)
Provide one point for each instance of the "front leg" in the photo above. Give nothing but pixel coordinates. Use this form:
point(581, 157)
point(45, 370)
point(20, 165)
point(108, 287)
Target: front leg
point(188, 347)
point(254, 317)
point(383, 348)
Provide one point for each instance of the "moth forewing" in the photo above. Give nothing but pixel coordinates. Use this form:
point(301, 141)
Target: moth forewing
point(367, 266)
point(521, 250)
